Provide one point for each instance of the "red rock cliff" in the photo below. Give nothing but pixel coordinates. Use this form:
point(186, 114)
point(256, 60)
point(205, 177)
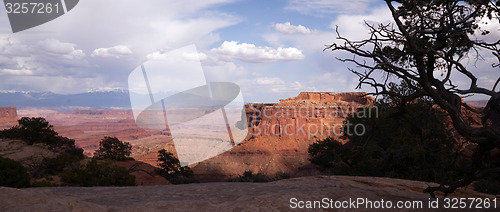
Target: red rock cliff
point(314, 115)
point(280, 134)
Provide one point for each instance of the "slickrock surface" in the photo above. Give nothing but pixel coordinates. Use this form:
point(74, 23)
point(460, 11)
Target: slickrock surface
point(274, 196)
point(26, 154)
point(144, 173)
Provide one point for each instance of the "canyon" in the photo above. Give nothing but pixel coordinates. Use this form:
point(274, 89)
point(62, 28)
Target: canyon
point(279, 134)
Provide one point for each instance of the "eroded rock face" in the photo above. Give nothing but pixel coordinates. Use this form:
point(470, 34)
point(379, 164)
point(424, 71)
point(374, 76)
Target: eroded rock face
point(26, 154)
point(280, 135)
point(314, 115)
point(277, 142)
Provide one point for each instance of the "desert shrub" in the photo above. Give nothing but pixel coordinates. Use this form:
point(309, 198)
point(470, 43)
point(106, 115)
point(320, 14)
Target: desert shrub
point(95, 174)
point(282, 176)
point(32, 130)
point(43, 183)
point(37, 130)
point(183, 179)
point(249, 176)
point(406, 140)
point(113, 149)
point(13, 174)
point(172, 170)
point(325, 153)
point(78, 152)
point(53, 166)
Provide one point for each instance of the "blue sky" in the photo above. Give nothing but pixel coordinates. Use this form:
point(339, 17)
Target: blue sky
point(272, 49)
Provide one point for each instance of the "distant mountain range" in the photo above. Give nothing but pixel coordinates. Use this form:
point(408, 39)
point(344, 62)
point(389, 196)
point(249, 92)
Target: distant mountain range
point(94, 99)
point(98, 99)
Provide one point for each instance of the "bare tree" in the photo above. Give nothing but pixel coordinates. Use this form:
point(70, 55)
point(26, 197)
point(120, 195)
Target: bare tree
point(430, 37)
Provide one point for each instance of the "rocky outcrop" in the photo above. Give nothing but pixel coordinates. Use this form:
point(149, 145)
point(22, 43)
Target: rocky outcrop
point(26, 154)
point(144, 173)
point(280, 135)
point(277, 142)
point(311, 114)
point(328, 98)
point(274, 196)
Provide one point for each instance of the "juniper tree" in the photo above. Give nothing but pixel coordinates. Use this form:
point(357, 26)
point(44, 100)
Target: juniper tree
point(427, 38)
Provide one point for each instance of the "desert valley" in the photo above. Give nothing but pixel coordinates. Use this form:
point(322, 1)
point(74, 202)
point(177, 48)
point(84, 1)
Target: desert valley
point(277, 142)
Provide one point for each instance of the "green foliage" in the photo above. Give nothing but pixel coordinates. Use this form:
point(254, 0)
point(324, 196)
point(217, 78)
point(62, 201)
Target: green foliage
point(95, 174)
point(406, 140)
point(69, 159)
point(113, 149)
point(248, 176)
point(13, 174)
point(53, 166)
point(34, 130)
point(321, 153)
point(172, 170)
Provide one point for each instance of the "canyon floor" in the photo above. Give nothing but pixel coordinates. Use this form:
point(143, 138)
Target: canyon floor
point(225, 196)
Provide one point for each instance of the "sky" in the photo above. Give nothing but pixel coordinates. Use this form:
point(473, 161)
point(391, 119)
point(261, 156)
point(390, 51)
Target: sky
point(271, 49)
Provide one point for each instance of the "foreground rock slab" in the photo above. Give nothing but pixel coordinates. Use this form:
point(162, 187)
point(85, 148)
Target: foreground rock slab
point(227, 196)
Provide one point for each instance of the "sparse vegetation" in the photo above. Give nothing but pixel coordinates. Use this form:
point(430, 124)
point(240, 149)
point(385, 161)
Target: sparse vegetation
point(429, 45)
point(113, 149)
point(13, 174)
point(98, 174)
point(43, 183)
point(407, 140)
point(54, 166)
point(67, 164)
point(36, 130)
point(172, 170)
point(248, 176)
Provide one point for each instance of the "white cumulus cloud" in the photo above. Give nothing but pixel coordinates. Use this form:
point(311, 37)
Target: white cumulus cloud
point(256, 54)
point(15, 72)
point(115, 51)
point(291, 29)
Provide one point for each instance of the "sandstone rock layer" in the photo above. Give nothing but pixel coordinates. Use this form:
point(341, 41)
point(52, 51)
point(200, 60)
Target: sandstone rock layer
point(274, 196)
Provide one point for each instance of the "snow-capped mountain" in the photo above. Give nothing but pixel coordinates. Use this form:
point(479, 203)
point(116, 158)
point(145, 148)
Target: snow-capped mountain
point(94, 98)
